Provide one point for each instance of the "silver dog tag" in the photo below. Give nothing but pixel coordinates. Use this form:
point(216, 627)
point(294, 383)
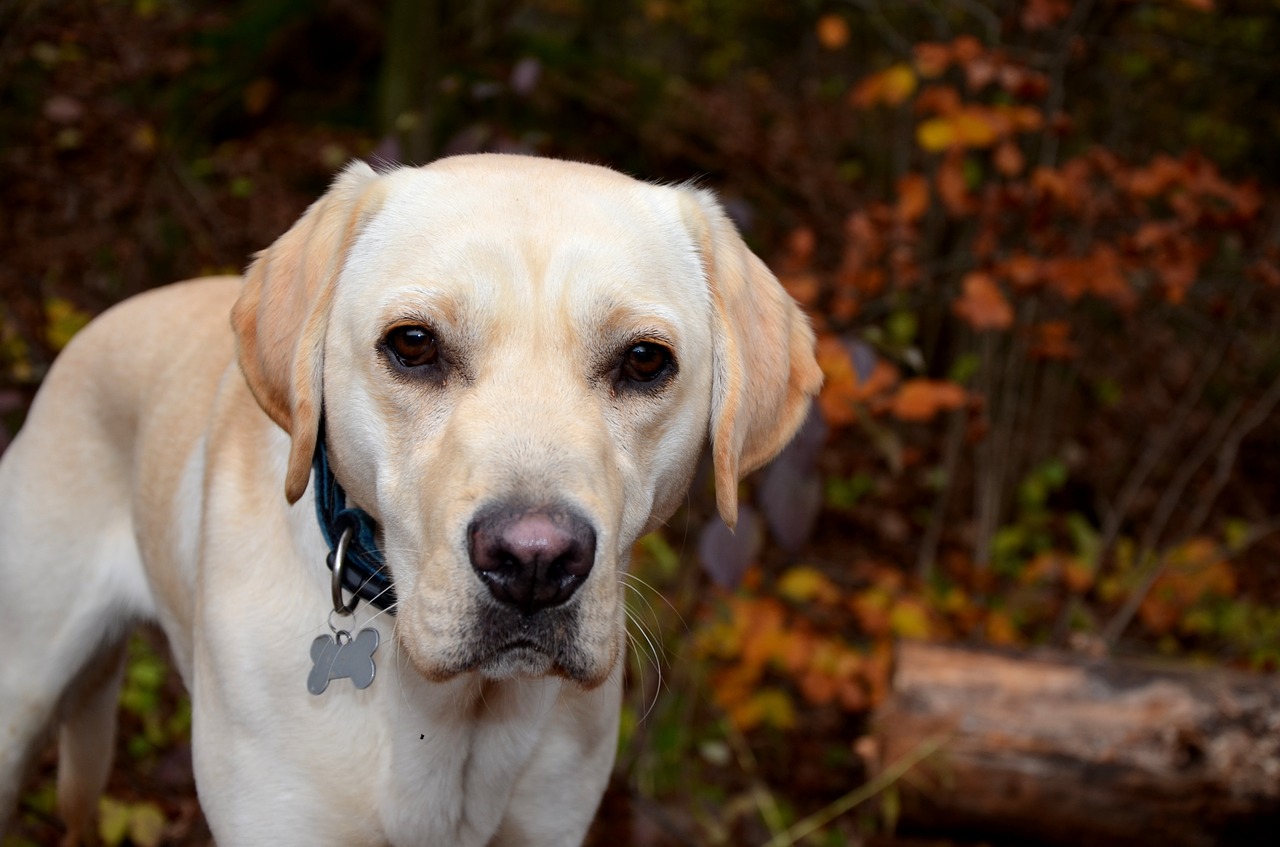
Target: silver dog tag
point(339, 656)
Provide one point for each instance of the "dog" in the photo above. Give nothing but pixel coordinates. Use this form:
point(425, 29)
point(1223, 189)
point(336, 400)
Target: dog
point(481, 380)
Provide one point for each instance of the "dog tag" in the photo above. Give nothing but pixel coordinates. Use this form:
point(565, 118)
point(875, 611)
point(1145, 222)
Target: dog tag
point(339, 656)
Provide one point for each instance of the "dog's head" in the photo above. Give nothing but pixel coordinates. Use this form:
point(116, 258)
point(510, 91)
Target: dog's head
point(519, 361)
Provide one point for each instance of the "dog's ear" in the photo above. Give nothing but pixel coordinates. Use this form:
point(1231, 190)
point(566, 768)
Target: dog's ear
point(283, 310)
point(765, 374)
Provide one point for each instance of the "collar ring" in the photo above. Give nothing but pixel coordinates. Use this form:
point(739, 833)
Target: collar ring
point(337, 562)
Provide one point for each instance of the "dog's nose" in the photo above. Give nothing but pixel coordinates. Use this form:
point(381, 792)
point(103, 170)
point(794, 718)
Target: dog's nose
point(531, 559)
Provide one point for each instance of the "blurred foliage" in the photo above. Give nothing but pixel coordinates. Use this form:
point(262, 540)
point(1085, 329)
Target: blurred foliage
point(1039, 240)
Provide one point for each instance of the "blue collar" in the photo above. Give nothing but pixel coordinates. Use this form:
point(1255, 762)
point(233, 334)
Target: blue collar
point(364, 571)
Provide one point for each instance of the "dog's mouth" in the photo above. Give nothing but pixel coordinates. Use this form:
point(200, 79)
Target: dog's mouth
point(498, 643)
point(521, 657)
point(507, 645)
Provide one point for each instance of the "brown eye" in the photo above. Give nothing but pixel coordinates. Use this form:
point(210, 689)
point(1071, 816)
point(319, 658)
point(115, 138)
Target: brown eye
point(413, 346)
point(645, 362)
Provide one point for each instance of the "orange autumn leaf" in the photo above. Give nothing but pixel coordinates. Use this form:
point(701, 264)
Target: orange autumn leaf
point(966, 48)
point(977, 127)
point(1100, 273)
point(833, 31)
point(932, 59)
point(953, 188)
point(1001, 630)
point(871, 608)
point(890, 87)
point(1022, 118)
point(1053, 341)
point(921, 399)
point(1067, 275)
point(800, 245)
point(804, 288)
point(843, 393)
point(1009, 160)
point(1049, 183)
point(1020, 269)
point(1178, 273)
point(982, 304)
point(1078, 576)
point(913, 198)
point(853, 696)
point(1192, 571)
point(818, 688)
point(1265, 271)
point(1151, 234)
point(1158, 177)
point(970, 125)
point(1107, 280)
point(938, 100)
point(1042, 14)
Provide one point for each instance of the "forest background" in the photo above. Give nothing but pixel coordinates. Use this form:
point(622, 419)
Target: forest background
point(1039, 240)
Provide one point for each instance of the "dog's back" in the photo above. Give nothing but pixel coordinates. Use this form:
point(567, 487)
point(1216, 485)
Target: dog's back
point(70, 564)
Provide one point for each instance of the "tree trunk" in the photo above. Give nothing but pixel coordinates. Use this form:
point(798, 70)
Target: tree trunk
point(1064, 750)
point(411, 77)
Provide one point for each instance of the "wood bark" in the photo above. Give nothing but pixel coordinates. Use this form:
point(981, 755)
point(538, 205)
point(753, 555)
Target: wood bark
point(1057, 749)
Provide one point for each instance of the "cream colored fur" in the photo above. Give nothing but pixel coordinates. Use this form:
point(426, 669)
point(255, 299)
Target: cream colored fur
point(157, 479)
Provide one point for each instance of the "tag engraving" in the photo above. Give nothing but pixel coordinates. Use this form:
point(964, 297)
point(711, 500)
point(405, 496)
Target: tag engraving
point(339, 656)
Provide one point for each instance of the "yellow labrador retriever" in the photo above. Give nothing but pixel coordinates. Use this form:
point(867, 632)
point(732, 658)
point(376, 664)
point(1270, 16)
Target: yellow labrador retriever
point(480, 381)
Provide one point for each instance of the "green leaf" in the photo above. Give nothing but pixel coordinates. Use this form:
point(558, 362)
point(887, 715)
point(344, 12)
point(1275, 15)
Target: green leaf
point(964, 368)
point(141, 823)
point(657, 552)
point(846, 493)
point(62, 320)
point(146, 825)
point(113, 821)
point(1108, 393)
point(902, 327)
point(1085, 538)
point(1236, 534)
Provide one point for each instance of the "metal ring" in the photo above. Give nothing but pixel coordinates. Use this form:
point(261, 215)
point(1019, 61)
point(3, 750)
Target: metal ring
point(339, 560)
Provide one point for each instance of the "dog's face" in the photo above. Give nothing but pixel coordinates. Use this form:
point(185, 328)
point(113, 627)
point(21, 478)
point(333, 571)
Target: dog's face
point(519, 361)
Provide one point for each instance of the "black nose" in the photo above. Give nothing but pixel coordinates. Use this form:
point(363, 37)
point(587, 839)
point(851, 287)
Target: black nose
point(531, 559)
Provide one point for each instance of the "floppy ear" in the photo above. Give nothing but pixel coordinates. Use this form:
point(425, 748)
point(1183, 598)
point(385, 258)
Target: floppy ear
point(765, 374)
point(283, 311)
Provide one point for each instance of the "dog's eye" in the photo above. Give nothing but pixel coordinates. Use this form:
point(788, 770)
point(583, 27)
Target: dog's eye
point(645, 362)
point(413, 346)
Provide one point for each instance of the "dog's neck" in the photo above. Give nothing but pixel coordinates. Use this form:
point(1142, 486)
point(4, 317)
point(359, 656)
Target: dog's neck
point(365, 571)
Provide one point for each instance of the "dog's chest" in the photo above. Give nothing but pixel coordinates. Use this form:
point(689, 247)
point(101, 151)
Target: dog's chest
point(452, 768)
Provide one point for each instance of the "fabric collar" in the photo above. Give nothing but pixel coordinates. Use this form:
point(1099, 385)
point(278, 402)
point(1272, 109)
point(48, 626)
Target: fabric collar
point(364, 573)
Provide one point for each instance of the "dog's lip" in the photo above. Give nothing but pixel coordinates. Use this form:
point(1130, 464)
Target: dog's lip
point(521, 644)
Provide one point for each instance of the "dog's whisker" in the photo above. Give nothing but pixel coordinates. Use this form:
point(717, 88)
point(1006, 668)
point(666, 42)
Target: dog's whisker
point(653, 656)
point(635, 589)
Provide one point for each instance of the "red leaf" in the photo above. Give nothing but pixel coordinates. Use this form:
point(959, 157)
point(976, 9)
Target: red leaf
point(919, 400)
point(913, 198)
point(982, 304)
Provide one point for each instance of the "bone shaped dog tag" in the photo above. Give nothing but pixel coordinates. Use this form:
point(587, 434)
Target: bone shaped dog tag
point(339, 656)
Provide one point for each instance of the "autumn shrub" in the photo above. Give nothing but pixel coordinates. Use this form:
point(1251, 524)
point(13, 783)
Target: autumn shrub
point(1050, 356)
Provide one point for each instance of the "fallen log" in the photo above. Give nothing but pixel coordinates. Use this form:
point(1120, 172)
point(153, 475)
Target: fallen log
point(1058, 749)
